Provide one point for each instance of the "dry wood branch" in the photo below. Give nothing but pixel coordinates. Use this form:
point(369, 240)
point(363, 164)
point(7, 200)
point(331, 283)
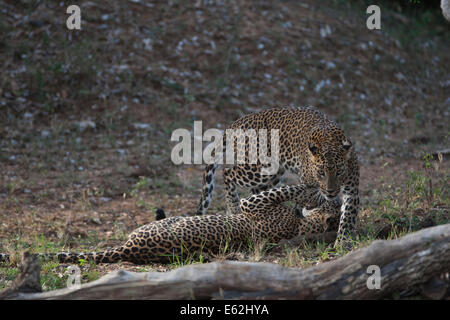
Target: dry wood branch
point(411, 260)
point(445, 6)
point(28, 279)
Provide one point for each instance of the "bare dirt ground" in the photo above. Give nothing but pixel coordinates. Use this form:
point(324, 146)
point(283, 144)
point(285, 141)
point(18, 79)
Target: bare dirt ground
point(86, 116)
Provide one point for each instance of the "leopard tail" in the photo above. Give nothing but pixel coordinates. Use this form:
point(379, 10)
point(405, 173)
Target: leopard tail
point(208, 179)
point(112, 255)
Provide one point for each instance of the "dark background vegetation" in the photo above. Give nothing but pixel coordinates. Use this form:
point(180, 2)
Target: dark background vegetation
point(86, 116)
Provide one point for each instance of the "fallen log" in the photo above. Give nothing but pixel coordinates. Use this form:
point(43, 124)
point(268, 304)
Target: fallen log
point(28, 279)
point(412, 260)
point(445, 6)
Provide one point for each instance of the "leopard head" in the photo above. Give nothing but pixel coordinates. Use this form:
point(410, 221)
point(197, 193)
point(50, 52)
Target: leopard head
point(329, 151)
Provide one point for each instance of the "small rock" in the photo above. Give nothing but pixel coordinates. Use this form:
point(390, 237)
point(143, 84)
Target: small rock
point(331, 65)
point(321, 84)
point(45, 133)
point(325, 31)
point(286, 24)
point(400, 76)
point(87, 124)
point(147, 44)
point(142, 126)
point(96, 220)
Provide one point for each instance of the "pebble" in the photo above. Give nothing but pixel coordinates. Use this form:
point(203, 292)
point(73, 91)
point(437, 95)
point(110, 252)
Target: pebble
point(45, 133)
point(142, 126)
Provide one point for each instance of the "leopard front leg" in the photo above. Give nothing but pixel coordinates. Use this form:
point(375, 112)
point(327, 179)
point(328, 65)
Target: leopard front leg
point(247, 177)
point(350, 206)
point(349, 213)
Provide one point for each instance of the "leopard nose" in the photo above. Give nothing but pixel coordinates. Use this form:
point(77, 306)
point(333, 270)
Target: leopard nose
point(331, 193)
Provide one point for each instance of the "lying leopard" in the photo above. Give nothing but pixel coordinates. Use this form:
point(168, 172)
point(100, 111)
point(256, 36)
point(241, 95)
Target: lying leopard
point(263, 216)
point(310, 145)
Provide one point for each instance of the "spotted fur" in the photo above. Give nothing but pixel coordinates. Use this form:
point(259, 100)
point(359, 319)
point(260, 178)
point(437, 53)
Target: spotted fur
point(311, 145)
point(263, 216)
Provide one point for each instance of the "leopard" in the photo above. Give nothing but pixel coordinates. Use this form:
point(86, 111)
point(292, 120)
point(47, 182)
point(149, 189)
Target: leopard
point(266, 216)
point(311, 146)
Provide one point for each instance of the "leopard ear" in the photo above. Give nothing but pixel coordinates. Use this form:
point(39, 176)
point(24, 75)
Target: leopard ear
point(312, 148)
point(346, 145)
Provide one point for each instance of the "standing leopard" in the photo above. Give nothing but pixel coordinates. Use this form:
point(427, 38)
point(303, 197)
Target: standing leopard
point(263, 216)
point(310, 145)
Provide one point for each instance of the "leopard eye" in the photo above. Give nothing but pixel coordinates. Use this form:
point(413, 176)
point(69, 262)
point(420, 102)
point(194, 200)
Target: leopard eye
point(321, 173)
point(346, 145)
point(313, 148)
